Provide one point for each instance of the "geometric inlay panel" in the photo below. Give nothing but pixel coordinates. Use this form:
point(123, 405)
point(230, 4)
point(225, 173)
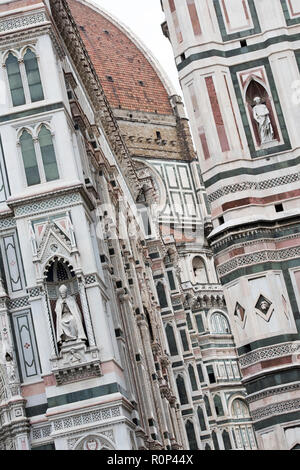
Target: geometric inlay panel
point(264, 308)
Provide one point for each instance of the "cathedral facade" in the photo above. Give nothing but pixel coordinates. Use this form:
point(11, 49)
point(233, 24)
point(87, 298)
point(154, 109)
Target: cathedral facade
point(238, 63)
point(115, 330)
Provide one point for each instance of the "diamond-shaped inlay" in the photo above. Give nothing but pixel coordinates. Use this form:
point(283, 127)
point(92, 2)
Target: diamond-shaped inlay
point(264, 307)
point(240, 314)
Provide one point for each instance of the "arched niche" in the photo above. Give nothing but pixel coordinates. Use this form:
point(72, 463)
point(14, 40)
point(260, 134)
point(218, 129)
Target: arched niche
point(256, 89)
point(199, 270)
point(219, 324)
point(239, 409)
point(58, 272)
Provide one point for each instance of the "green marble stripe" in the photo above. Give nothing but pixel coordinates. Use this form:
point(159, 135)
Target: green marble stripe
point(49, 446)
point(284, 418)
point(261, 46)
point(206, 436)
point(197, 397)
point(31, 112)
point(87, 394)
point(36, 410)
point(273, 379)
point(272, 341)
point(264, 232)
point(177, 364)
point(267, 169)
point(258, 268)
point(240, 34)
point(289, 21)
point(215, 345)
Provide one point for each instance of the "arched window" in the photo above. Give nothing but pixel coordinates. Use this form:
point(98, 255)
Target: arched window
point(15, 80)
point(201, 418)
point(207, 405)
point(219, 324)
point(240, 409)
point(218, 405)
point(181, 390)
point(171, 340)
point(48, 154)
point(215, 440)
point(190, 431)
point(193, 378)
point(161, 295)
point(33, 76)
point(226, 440)
point(199, 270)
point(29, 159)
point(39, 157)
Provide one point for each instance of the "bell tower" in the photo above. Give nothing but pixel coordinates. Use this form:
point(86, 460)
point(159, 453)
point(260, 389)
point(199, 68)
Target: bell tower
point(238, 63)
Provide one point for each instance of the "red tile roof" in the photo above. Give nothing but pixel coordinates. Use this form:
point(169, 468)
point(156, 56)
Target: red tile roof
point(128, 78)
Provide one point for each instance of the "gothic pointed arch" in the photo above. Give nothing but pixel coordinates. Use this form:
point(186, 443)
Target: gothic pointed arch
point(200, 270)
point(60, 272)
point(256, 89)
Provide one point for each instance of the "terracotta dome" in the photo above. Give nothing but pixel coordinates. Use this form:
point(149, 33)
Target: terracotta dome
point(127, 72)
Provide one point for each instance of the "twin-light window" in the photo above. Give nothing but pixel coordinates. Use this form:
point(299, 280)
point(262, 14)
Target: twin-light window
point(24, 78)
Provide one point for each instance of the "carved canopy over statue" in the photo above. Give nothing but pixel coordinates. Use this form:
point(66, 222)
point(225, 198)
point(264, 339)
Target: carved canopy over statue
point(69, 325)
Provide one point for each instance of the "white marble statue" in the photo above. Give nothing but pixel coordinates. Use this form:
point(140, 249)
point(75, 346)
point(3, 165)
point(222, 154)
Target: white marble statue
point(68, 318)
point(261, 115)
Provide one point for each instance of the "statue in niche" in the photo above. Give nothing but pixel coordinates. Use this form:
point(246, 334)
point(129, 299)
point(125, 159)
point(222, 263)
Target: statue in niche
point(261, 115)
point(199, 271)
point(68, 318)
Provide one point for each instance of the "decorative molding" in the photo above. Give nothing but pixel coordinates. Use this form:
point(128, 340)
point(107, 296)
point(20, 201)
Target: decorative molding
point(276, 409)
point(38, 207)
point(272, 392)
point(42, 432)
point(257, 258)
point(268, 353)
point(85, 419)
point(90, 279)
point(18, 303)
point(19, 22)
point(254, 186)
point(75, 363)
